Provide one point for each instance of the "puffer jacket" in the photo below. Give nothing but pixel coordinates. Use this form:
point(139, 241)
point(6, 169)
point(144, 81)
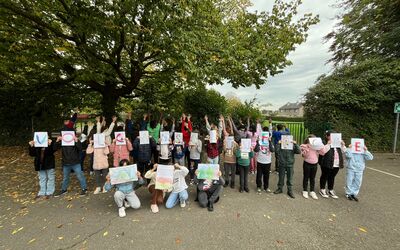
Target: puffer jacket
point(100, 157)
point(120, 152)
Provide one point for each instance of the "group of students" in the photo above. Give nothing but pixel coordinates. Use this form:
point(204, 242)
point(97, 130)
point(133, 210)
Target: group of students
point(187, 155)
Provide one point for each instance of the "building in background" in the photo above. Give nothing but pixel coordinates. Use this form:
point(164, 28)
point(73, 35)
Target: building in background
point(291, 110)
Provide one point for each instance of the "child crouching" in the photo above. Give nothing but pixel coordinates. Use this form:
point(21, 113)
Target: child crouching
point(179, 189)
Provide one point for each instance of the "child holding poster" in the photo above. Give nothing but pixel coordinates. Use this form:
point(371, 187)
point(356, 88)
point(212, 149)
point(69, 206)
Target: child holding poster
point(125, 195)
point(119, 150)
point(179, 189)
point(264, 149)
point(355, 168)
point(179, 154)
point(230, 147)
point(44, 164)
point(100, 164)
point(157, 196)
point(310, 165)
point(208, 191)
point(243, 160)
point(195, 148)
point(254, 133)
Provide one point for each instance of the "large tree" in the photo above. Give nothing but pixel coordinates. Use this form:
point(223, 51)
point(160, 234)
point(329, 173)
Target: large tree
point(118, 48)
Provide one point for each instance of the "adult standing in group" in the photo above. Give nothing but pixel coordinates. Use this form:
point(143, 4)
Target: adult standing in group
point(276, 137)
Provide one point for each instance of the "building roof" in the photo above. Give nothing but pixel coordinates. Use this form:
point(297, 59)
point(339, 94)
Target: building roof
point(289, 105)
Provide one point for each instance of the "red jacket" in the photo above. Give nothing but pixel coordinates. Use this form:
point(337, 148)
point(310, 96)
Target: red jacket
point(212, 149)
point(120, 152)
point(186, 134)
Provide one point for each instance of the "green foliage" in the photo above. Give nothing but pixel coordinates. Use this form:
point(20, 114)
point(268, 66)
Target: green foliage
point(241, 111)
point(358, 101)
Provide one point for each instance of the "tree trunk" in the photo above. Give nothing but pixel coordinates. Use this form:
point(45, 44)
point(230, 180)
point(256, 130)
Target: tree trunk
point(108, 105)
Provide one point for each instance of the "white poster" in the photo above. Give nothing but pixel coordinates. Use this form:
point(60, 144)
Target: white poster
point(165, 177)
point(123, 174)
point(41, 139)
point(178, 138)
point(316, 143)
point(193, 138)
point(264, 139)
point(357, 145)
point(99, 140)
point(164, 137)
point(336, 140)
point(246, 145)
point(229, 142)
point(144, 137)
point(213, 136)
point(68, 138)
point(287, 142)
point(120, 138)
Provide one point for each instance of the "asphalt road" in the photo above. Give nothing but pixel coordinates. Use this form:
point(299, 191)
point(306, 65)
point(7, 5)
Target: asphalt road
point(239, 221)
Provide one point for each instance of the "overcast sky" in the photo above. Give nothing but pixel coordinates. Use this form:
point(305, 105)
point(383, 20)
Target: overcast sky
point(309, 59)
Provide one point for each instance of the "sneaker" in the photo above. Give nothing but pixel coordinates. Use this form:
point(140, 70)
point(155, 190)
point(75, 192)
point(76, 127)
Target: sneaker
point(332, 194)
point(97, 190)
point(154, 208)
point(247, 190)
point(121, 212)
point(305, 194)
point(91, 173)
point(278, 191)
point(313, 195)
point(322, 192)
point(126, 204)
point(232, 185)
point(210, 207)
point(268, 190)
point(38, 197)
point(354, 197)
point(191, 182)
point(104, 190)
point(259, 190)
point(83, 192)
point(60, 193)
point(349, 197)
point(291, 195)
point(183, 203)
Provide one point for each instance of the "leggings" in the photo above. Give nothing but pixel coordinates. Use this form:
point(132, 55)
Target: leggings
point(328, 175)
point(309, 172)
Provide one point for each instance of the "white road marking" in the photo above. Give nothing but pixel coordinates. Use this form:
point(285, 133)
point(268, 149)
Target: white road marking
point(383, 172)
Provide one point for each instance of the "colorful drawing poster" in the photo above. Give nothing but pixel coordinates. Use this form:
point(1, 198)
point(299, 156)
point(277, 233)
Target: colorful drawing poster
point(246, 145)
point(123, 174)
point(120, 138)
point(208, 171)
point(213, 136)
point(165, 177)
point(178, 138)
point(357, 145)
point(287, 142)
point(99, 140)
point(229, 142)
point(193, 138)
point(264, 139)
point(144, 137)
point(164, 137)
point(336, 140)
point(41, 139)
point(316, 143)
point(68, 138)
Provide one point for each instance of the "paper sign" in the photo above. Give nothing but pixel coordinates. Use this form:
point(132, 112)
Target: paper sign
point(144, 137)
point(123, 174)
point(193, 138)
point(178, 138)
point(41, 139)
point(164, 137)
point(316, 143)
point(287, 142)
point(164, 177)
point(68, 138)
point(246, 145)
point(229, 142)
point(208, 172)
point(264, 139)
point(213, 136)
point(244, 156)
point(357, 145)
point(336, 140)
point(99, 140)
point(120, 138)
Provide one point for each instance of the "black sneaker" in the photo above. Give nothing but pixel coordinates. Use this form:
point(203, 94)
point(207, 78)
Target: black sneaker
point(278, 191)
point(83, 192)
point(226, 183)
point(60, 193)
point(291, 195)
point(210, 207)
point(349, 197)
point(354, 197)
point(241, 190)
point(232, 185)
point(247, 190)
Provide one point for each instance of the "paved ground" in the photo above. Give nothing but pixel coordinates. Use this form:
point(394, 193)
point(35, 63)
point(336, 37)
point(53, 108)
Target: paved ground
point(240, 220)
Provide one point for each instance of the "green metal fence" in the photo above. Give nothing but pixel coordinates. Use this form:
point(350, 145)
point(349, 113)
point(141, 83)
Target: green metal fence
point(296, 129)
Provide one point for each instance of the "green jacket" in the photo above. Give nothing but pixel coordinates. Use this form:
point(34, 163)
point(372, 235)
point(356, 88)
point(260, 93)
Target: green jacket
point(241, 161)
point(285, 156)
point(155, 133)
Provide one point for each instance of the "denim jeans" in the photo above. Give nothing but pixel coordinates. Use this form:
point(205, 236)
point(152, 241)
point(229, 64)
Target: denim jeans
point(175, 197)
point(46, 182)
point(213, 160)
point(79, 174)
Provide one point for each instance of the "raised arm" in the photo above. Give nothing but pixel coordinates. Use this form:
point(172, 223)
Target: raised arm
point(208, 127)
point(233, 126)
point(248, 123)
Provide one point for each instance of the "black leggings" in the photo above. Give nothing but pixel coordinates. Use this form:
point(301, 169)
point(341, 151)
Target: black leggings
point(309, 172)
point(328, 175)
point(263, 173)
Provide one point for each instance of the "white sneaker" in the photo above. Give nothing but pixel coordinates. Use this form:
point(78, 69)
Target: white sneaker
point(126, 204)
point(305, 194)
point(104, 190)
point(121, 212)
point(97, 190)
point(332, 194)
point(154, 208)
point(183, 203)
point(313, 195)
point(322, 192)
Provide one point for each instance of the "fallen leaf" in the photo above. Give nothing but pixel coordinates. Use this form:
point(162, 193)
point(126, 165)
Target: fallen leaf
point(362, 229)
point(17, 230)
point(60, 237)
point(265, 215)
point(32, 240)
point(237, 215)
point(178, 241)
point(334, 215)
point(268, 217)
point(135, 220)
point(105, 233)
point(60, 226)
point(330, 219)
point(279, 241)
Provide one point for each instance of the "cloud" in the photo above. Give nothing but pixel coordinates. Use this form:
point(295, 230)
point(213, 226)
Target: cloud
point(309, 59)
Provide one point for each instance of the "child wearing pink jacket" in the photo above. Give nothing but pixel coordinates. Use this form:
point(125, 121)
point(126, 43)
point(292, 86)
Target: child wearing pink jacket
point(310, 166)
point(100, 165)
point(120, 152)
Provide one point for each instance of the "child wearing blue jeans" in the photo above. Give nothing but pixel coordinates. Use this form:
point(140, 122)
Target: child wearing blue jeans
point(179, 188)
point(355, 170)
point(125, 195)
